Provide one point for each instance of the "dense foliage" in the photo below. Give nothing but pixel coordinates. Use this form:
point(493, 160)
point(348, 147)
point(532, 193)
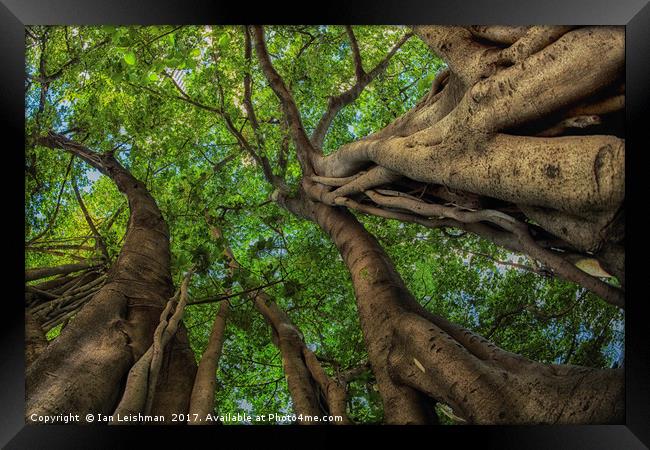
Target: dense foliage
point(132, 90)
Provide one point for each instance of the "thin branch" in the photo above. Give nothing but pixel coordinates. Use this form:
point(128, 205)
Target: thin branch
point(186, 98)
point(507, 263)
point(243, 142)
point(58, 205)
point(99, 241)
point(236, 294)
point(356, 55)
point(337, 103)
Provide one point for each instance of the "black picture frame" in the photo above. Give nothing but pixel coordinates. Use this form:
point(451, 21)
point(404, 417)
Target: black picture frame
point(634, 14)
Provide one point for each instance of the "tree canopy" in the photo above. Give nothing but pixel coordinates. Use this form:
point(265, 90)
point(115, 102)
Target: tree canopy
point(173, 105)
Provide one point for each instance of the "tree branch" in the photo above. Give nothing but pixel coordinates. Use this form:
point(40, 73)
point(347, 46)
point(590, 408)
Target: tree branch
point(466, 57)
point(356, 55)
point(56, 209)
point(337, 103)
point(99, 240)
point(610, 294)
point(304, 147)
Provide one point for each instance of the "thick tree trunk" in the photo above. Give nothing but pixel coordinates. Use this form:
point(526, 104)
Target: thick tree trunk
point(486, 385)
point(462, 138)
point(202, 399)
point(35, 341)
point(302, 387)
point(415, 354)
point(381, 299)
point(146, 390)
point(84, 368)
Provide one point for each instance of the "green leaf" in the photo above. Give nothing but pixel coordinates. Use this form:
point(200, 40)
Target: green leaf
point(153, 76)
point(129, 58)
point(224, 40)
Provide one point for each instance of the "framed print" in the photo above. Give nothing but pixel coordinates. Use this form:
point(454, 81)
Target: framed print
point(410, 219)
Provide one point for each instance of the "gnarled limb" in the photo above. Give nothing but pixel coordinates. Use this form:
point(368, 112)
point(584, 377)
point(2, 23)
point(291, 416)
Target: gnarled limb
point(141, 383)
point(586, 234)
point(334, 392)
point(455, 145)
point(258, 154)
point(53, 309)
point(441, 77)
point(466, 57)
point(470, 356)
point(533, 40)
point(575, 174)
point(164, 332)
point(427, 358)
point(502, 100)
point(519, 231)
point(374, 177)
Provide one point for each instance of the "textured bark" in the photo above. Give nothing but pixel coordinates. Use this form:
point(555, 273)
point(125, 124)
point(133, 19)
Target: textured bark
point(499, 33)
point(312, 391)
point(499, 123)
point(205, 383)
point(52, 303)
point(497, 128)
point(43, 272)
point(175, 382)
point(575, 174)
point(458, 138)
point(568, 70)
point(35, 341)
point(381, 298)
point(302, 387)
point(334, 390)
point(587, 234)
point(468, 379)
point(146, 389)
point(84, 368)
point(415, 354)
point(520, 239)
point(505, 123)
